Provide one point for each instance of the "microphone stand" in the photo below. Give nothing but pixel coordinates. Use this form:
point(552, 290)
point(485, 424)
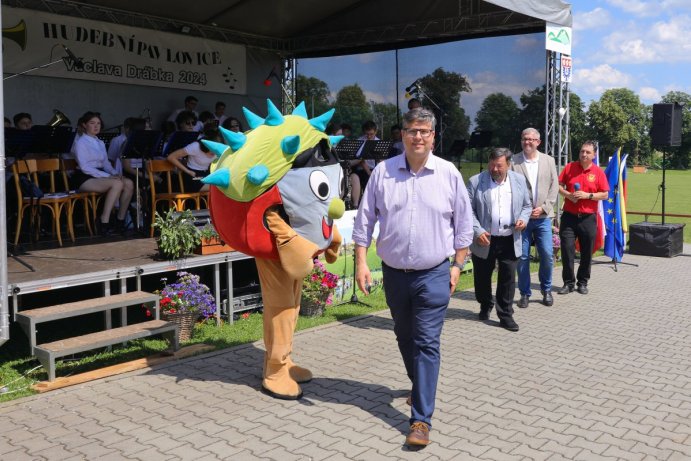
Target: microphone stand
point(353, 298)
point(34, 68)
point(423, 96)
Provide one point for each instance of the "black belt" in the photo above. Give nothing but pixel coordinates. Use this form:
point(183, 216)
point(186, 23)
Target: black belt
point(502, 236)
point(412, 270)
point(580, 215)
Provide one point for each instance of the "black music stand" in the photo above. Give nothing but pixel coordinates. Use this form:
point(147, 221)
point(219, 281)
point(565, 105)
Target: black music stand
point(18, 142)
point(178, 140)
point(377, 150)
point(347, 151)
point(107, 138)
point(140, 145)
point(54, 140)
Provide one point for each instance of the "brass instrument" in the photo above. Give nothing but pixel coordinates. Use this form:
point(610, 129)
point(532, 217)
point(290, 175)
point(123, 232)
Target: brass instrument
point(17, 34)
point(58, 119)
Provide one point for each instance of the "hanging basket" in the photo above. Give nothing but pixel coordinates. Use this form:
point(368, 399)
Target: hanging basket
point(311, 308)
point(185, 322)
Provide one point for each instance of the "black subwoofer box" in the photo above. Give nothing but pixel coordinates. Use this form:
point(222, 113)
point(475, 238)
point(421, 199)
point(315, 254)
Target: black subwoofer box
point(655, 239)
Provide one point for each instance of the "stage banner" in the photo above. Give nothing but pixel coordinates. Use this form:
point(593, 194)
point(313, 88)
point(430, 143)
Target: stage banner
point(119, 54)
point(558, 38)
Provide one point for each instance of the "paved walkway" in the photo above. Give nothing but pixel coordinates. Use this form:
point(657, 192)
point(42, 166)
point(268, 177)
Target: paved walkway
point(603, 376)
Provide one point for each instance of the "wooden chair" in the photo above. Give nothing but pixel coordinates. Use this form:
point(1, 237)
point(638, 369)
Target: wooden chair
point(173, 198)
point(51, 201)
point(88, 200)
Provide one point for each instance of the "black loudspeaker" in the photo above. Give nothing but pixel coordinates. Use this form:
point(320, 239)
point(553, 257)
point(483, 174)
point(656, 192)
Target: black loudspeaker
point(666, 130)
point(655, 239)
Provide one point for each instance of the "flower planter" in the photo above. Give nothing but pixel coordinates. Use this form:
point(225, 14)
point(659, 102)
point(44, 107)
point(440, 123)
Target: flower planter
point(212, 246)
point(185, 322)
point(313, 306)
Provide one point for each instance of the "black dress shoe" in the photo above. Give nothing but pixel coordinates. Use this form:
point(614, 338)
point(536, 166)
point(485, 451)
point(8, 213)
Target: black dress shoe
point(523, 302)
point(547, 299)
point(565, 290)
point(484, 314)
point(582, 289)
point(509, 324)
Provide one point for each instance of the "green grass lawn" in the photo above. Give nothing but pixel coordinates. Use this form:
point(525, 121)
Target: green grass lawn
point(644, 195)
point(18, 371)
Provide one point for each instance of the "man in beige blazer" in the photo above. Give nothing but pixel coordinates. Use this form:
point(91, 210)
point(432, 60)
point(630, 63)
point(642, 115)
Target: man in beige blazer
point(540, 173)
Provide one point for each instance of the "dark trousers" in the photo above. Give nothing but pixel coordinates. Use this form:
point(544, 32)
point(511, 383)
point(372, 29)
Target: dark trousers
point(418, 301)
point(501, 250)
point(584, 228)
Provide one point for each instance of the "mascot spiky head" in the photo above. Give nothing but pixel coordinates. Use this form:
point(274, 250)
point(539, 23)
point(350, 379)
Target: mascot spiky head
point(283, 161)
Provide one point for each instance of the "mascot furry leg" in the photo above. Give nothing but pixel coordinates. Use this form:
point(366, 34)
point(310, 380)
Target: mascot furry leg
point(281, 285)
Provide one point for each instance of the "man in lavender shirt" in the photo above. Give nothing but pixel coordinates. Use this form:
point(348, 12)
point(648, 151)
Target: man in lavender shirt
point(424, 215)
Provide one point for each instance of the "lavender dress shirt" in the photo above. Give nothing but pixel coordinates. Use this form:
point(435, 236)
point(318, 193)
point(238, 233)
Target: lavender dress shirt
point(423, 218)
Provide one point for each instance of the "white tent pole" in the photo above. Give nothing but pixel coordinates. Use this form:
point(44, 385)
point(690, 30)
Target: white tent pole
point(4, 289)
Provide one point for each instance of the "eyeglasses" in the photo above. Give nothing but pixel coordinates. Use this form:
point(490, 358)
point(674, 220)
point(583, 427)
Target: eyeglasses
point(531, 139)
point(190, 122)
point(411, 133)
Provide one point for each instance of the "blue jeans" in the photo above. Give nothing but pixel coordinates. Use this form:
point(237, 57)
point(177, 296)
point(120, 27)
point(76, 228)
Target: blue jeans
point(418, 301)
point(541, 231)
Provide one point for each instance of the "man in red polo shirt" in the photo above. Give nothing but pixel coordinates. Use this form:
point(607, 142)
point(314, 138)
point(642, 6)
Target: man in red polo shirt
point(582, 184)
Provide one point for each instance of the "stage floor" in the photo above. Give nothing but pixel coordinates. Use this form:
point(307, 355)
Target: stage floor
point(78, 260)
point(100, 263)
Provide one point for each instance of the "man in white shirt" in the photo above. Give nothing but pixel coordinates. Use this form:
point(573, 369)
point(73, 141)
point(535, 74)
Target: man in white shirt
point(191, 106)
point(501, 208)
point(541, 175)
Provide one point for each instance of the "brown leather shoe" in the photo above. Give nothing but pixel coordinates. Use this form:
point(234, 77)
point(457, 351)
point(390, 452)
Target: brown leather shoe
point(409, 400)
point(419, 435)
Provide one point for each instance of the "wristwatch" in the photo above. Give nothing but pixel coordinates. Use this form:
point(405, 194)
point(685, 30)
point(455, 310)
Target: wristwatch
point(591, 196)
point(457, 264)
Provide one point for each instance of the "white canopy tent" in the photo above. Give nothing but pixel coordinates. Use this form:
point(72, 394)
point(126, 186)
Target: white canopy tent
point(298, 29)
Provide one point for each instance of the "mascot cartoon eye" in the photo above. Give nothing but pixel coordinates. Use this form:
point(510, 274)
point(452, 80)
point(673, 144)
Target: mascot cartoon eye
point(319, 183)
point(342, 184)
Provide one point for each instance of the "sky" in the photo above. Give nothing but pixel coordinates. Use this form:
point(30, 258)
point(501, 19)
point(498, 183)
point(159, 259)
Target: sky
point(637, 44)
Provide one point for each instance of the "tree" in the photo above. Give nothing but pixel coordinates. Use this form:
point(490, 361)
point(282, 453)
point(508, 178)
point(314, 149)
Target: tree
point(352, 107)
point(680, 157)
point(500, 114)
point(619, 119)
point(445, 88)
point(533, 115)
point(385, 115)
point(314, 92)
point(579, 131)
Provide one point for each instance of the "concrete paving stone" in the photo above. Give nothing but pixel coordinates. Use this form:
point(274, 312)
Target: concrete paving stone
point(316, 453)
point(226, 450)
point(615, 441)
point(474, 449)
point(660, 425)
point(186, 451)
point(671, 435)
point(17, 454)
point(679, 447)
point(633, 434)
point(587, 455)
point(373, 444)
point(496, 455)
point(677, 457)
point(94, 450)
point(528, 453)
point(615, 452)
point(560, 449)
point(164, 443)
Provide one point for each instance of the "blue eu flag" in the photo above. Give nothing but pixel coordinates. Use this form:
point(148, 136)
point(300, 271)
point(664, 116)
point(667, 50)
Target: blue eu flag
point(614, 207)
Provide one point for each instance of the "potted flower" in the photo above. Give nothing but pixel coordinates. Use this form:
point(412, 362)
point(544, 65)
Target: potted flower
point(178, 234)
point(556, 243)
point(184, 302)
point(317, 290)
point(211, 242)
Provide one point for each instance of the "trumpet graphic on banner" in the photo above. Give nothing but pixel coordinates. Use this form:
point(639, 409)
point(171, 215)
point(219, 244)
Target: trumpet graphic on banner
point(17, 34)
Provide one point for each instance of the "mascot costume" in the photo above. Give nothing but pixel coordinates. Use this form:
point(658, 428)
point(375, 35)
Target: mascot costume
point(275, 191)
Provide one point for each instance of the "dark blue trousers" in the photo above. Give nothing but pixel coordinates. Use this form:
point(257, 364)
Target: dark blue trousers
point(418, 302)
